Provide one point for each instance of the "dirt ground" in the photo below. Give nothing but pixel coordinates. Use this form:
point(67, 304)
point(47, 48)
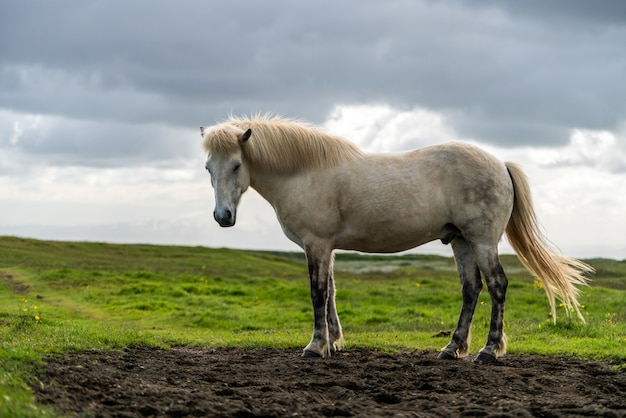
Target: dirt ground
point(193, 382)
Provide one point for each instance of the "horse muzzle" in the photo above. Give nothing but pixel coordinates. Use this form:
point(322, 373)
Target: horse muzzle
point(225, 217)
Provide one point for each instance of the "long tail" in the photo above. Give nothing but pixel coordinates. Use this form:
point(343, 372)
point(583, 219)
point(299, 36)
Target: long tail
point(559, 274)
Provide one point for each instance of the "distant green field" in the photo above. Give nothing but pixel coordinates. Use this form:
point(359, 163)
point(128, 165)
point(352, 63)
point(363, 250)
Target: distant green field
point(57, 297)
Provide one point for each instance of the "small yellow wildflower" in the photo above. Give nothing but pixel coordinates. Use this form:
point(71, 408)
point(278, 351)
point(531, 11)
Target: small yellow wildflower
point(37, 318)
point(610, 318)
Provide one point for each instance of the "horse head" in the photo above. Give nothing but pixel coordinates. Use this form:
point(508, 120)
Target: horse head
point(230, 176)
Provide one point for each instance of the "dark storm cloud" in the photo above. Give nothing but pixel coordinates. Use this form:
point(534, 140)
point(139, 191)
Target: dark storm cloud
point(502, 72)
point(583, 12)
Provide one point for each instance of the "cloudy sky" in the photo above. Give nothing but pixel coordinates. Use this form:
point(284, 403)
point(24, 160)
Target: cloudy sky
point(100, 103)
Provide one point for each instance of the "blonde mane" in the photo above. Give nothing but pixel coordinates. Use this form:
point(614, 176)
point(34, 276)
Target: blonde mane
point(280, 145)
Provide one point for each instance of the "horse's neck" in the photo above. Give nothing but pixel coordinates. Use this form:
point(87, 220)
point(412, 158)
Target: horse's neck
point(271, 187)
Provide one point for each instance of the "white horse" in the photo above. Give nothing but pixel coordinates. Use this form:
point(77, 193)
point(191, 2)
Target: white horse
point(328, 194)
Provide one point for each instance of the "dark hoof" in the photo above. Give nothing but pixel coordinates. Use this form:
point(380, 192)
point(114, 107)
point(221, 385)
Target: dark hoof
point(310, 354)
point(445, 356)
point(485, 358)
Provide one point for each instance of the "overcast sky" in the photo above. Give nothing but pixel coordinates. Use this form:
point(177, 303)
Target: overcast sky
point(100, 103)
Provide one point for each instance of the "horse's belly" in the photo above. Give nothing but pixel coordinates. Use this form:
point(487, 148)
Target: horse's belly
point(386, 239)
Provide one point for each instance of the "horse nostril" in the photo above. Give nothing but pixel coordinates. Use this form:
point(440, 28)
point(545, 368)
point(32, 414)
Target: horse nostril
point(224, 218)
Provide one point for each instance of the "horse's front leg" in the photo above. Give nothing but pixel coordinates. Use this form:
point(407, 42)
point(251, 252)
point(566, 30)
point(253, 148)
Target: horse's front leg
point(335, 332)
point(319, 259)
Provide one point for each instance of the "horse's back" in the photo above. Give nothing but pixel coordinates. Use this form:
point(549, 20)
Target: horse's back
point(452, 173)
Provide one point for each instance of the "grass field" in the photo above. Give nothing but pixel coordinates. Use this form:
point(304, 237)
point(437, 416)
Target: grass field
point(57, 297)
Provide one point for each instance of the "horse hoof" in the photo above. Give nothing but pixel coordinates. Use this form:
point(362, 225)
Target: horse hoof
point(310, 354)
point(445, 356)
point(485, 358)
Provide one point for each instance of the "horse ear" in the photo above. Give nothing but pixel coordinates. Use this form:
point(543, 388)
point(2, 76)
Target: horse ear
point(246, 135)
point(202, 131)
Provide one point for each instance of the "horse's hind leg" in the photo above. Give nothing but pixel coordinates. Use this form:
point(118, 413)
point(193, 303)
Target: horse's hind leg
point(497, 283)
point(471, 286)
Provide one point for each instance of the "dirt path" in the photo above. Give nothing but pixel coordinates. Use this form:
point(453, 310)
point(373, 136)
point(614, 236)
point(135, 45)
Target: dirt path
point(17, 287)
point(192, 382)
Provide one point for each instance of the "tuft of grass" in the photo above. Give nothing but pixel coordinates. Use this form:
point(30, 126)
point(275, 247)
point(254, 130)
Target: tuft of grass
point(57, 297)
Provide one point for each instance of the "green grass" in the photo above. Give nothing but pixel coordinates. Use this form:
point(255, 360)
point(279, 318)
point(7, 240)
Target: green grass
point(58, 297)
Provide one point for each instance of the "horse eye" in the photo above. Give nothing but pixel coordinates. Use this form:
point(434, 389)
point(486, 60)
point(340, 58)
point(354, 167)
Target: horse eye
point(236, 168)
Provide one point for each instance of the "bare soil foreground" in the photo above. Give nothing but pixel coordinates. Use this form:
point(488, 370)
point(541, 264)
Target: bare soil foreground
point(192, 382)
